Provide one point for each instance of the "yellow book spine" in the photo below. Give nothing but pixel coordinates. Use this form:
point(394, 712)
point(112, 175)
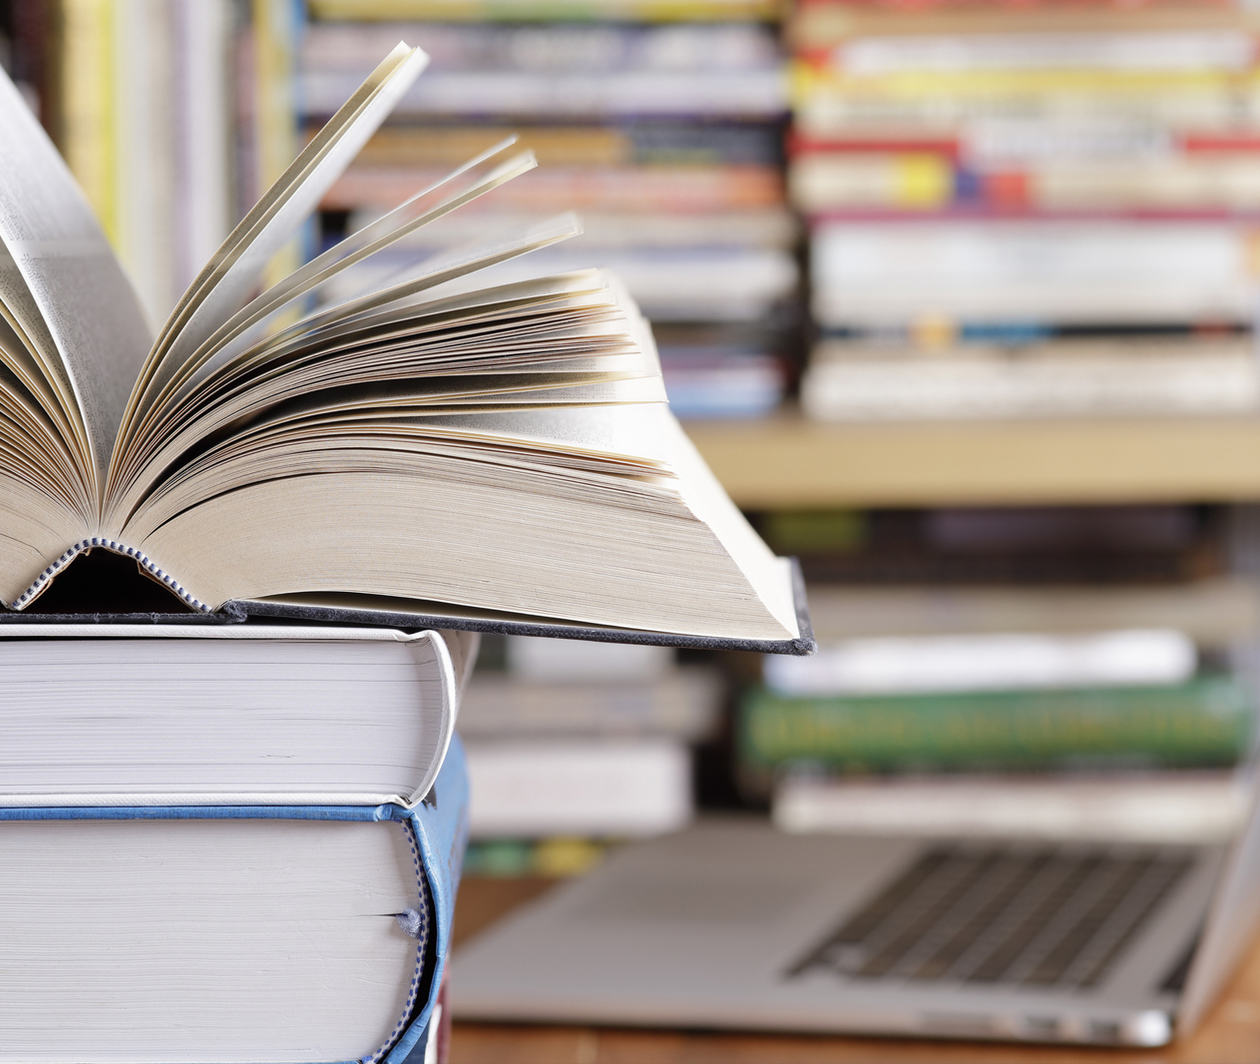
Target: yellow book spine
point(922, 182)
point(88, 120)
point(549, 10)
point(275, 109)
point(926, 84)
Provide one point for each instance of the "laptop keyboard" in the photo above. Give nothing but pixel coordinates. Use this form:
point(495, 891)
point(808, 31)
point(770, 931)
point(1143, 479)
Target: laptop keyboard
point(1032, 917)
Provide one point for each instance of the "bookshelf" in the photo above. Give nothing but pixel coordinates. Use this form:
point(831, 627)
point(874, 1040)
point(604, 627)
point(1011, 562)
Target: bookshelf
point(790, 461)
point(783, 460)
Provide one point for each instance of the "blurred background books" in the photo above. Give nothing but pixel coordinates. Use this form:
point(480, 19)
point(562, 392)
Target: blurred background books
point(958, 299)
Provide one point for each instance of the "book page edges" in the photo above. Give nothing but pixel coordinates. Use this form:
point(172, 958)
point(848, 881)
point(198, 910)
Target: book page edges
point(386, 613)
point(356, 609)
point(426, 646)
point(439, 829)
point(122, 626)
point(156, 800)
point(244, 615)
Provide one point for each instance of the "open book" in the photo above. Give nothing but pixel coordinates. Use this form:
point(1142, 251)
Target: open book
point(505, 449)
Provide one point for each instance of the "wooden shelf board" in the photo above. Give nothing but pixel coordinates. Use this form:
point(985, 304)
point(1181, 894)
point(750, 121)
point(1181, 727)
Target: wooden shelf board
point(791, 461)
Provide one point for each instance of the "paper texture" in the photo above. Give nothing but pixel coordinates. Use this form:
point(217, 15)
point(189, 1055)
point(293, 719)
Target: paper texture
point(439, 829)
point(65, 262)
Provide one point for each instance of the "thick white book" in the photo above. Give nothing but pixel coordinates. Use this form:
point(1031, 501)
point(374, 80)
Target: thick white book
point(621, 787)
point(1059, 378)
point(1175, 806)
point(237, 934)
point(1116, 270)
point(684, 704)
point(109, 715)
point(988, 661)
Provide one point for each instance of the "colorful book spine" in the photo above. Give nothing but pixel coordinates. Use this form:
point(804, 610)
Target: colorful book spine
point(1206, 721)
point(273, 24)
point(85, 116)
point(547, 10)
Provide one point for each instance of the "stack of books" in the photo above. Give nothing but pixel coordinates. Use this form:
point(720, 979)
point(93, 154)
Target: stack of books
point(1028, 209)
point(661, 123)
point(258, 831)
point(582, 742)
point(1061, 671)
point(1061, 734)
point(232, 807)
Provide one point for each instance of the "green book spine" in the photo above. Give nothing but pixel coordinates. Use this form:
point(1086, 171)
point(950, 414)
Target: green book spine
point(1205, 722)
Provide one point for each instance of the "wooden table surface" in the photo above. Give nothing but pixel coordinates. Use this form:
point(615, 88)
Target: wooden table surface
point(1230, 1035)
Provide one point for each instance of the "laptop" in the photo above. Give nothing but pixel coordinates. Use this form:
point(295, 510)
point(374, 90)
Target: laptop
point(732, 924)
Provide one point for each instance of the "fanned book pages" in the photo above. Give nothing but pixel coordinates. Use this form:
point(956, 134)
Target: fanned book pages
point(433, 447)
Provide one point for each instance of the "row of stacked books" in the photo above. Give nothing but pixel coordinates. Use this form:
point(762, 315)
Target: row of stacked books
point(1028, 209)
point(140, 96)
point(660, 124)
point(1058, 672)
point(1019, 210)
point(936, 153)
point(228, 842)
point(573, 747)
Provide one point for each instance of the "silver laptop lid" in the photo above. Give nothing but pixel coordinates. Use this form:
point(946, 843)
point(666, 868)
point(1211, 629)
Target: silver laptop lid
point(1231, 919)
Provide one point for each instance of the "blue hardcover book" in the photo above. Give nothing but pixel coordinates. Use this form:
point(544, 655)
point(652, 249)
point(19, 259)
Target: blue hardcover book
point(303, 934)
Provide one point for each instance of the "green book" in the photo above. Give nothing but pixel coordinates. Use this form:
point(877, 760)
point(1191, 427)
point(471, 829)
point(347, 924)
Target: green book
point(1206, 721)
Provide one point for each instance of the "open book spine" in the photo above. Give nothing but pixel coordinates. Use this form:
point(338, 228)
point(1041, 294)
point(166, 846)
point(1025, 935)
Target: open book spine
point(146, 564)
point(384, 615)
point(438, 830)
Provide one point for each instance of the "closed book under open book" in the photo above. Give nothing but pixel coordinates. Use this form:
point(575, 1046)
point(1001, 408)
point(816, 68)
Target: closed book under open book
point(108, 715)
point(429, 449)
point(299, 934)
